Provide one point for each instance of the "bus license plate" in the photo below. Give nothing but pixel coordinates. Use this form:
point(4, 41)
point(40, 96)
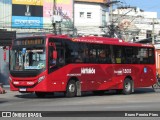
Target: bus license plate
point(22, 89)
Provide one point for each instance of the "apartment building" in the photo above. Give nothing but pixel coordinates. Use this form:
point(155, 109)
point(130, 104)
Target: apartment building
point(90, 16)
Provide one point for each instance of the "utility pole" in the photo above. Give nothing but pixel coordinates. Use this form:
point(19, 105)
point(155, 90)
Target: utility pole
point(110, 11)
point(59, 21)
point(112, 29)
point(73, 26)
point(153, 21)
point(111, 26)
point(53, 19)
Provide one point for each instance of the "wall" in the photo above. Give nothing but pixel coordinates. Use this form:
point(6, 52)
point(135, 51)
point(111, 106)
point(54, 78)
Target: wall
point(5, 14)
point(84, 7)
point(141, 19)
point(4, 67)
point(98, 1)
point(13, 14)
point(91, 25)
point(158, 60)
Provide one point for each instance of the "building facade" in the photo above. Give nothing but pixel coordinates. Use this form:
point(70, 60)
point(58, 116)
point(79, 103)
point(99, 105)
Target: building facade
point(29, 16)
point(136, 24)
point(90, 16)
point(24, 16)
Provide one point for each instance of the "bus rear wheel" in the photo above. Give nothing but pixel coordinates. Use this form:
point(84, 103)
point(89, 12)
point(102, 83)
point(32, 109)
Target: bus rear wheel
point(40, 94)
point(127, 87)
point(71, 89)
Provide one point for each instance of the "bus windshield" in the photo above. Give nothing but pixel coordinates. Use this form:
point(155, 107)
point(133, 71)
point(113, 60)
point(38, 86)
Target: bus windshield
point(28, 59)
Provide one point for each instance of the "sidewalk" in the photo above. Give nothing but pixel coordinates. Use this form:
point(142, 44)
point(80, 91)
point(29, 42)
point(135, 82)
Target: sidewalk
point(2, 90)
point(6, 88)
point(9, 95)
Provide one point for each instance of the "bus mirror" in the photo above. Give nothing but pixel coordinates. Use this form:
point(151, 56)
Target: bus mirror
point(54, 54)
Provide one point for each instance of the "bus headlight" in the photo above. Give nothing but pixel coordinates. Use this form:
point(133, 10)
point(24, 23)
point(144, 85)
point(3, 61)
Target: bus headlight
point(41, 78)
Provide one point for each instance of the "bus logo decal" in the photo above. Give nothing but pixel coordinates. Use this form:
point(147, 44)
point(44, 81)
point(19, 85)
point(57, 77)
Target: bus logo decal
point(118, 72)
point(123, 71)
point(74, 74)
point(88, 71)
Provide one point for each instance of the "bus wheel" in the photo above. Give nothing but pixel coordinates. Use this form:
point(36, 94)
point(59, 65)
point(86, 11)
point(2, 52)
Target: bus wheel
point(71, 89)
point(40, 94)
point(127, 86)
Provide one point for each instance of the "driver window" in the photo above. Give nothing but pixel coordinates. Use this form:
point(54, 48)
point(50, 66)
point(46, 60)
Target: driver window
point(60, 60)
point(60, 57)
point(52, 61)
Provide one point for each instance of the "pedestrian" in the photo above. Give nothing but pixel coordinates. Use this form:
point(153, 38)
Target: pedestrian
point(2, 91)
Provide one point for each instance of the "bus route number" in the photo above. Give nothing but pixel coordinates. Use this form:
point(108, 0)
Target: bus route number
point(127, 71)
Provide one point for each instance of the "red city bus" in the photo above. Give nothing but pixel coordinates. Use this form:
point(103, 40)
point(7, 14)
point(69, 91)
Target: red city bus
point(58, 63)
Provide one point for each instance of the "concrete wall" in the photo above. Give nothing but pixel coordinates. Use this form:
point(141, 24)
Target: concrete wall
point(95, 11)
point(142, 20)
point(7, 22)
point(5, 14)
point(98, 1)
point(99, 17)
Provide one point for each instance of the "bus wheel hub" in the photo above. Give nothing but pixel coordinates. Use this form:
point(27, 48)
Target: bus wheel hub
point(72, 88)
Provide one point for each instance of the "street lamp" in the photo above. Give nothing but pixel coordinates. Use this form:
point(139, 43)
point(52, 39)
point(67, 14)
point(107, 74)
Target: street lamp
point(110, 4)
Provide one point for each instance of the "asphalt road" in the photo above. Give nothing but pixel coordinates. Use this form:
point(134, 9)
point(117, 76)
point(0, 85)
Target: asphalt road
point(143, 99)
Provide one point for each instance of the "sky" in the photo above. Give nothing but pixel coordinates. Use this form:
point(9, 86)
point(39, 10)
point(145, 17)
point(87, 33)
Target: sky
point(146, 5)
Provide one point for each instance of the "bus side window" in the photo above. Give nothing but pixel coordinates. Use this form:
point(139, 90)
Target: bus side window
point(129, 57)
point(118, 56)
point(112, 59)
point(143, 55)
point(104, 56)
point(85, 55)
point(61, 56)
point(151, 56)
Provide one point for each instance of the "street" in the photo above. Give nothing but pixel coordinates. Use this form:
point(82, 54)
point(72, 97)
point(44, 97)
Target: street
point(144, 99)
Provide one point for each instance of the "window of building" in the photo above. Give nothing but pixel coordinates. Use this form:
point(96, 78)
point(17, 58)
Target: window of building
point(104, 18)
point(81, 14)
point(89, 15)
point(149, 34)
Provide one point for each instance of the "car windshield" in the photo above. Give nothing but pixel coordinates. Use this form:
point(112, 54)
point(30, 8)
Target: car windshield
point(27, 59)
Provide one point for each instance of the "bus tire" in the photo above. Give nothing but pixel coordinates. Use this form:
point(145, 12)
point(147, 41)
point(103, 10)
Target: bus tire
point(71, 89)
point(40, 94)
point(127, 87)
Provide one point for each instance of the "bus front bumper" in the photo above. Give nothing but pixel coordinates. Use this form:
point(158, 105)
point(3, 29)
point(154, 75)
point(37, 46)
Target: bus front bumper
point(28, 85)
